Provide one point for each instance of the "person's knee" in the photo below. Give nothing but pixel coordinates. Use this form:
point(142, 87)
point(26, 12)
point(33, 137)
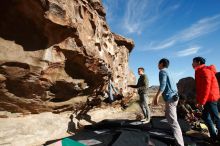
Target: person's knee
point(142, 104)
point(172, 121)
point(206, 119)
point(145, 106)
point(176, 124)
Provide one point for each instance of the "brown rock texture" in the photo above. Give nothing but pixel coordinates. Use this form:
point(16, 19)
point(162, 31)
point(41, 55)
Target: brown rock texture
point(186, 87)
point(52, 51)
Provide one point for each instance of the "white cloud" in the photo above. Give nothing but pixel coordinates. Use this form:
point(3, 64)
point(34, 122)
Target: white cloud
point(188, 52)
point(136, 15)
point(174, 7)
point(196, 30)
point(165, 44)
point(202, 27)
point(178, 75)
point(111, 7)
point(139, 14)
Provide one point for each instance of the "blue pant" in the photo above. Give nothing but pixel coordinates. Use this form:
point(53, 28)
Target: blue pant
point(144, 105)
point(210, 116)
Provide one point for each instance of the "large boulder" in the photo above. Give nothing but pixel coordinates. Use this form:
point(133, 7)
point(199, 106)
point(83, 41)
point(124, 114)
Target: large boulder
point(52, 51)
point(186, 87)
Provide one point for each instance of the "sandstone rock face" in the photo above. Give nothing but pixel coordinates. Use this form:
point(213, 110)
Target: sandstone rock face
point(52, 51)
point(186, 86)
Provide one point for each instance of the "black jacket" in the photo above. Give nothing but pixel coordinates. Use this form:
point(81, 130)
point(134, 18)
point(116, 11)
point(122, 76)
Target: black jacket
point(142, 84)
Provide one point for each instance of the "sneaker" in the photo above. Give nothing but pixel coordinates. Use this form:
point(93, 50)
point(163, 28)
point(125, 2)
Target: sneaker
point(145, 121)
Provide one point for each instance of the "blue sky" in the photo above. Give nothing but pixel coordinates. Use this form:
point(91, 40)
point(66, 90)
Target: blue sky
point(175, 29)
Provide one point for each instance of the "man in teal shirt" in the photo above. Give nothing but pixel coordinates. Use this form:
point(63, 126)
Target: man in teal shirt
point(169, 92)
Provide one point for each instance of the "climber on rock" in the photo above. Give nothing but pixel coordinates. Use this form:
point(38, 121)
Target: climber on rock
point(112, 92)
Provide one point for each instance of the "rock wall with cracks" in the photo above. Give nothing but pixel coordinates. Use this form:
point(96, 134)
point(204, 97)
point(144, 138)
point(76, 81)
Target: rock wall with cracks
point(52, 51)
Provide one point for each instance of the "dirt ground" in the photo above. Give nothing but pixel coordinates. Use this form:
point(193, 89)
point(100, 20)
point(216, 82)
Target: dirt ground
point(36, 129)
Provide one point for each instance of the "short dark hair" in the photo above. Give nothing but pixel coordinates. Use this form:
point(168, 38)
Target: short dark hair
point(199, 60)
point(165, 62)
point(141, 68)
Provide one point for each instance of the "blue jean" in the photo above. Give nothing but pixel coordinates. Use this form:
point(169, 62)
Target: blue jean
point(144, 105)
point(210, 114)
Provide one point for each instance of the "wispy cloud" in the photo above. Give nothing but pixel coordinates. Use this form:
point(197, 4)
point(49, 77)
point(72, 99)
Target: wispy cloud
point(111, 8)
point(174, 7)
point(189, 51)
point(139, 14)
point(178, 75)
point(202, 27)
point(196, 30)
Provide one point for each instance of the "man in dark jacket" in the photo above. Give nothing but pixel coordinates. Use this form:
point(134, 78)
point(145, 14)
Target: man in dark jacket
point(142, 86)
point(207, 95)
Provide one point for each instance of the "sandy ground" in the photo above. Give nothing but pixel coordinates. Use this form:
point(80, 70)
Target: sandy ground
point(35, 130)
